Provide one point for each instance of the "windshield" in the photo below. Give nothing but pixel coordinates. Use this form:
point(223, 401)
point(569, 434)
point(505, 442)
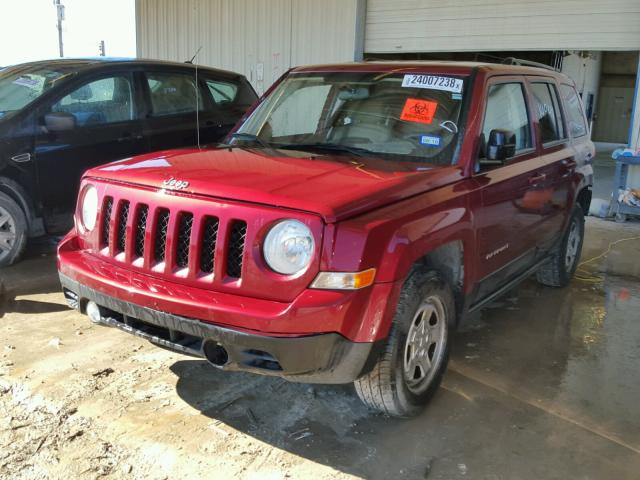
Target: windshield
point(394, 116)
point(21, 85)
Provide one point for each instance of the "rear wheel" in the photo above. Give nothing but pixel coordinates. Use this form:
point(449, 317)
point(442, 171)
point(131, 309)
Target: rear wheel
point(563, 261)
point(417, 352)
point(13, 231)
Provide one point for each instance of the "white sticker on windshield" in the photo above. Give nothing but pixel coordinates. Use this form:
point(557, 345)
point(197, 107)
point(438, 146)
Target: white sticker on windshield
point(433, 82)
point(26, 82)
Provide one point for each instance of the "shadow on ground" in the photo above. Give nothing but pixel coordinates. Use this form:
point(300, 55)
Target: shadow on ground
point(514, 403)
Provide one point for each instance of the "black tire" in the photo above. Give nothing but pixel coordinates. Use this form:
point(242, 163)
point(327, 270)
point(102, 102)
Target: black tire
point(13, 231)
point(387, 387)
point(557, 272)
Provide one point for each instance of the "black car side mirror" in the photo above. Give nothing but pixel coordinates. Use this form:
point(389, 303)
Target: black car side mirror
point(501, 145)
point(59, 121)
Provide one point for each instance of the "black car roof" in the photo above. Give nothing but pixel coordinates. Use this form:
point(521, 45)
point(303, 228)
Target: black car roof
point(83, 64)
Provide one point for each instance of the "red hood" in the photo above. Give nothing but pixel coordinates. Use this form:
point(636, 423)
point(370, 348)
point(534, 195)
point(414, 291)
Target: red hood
point(334, 186)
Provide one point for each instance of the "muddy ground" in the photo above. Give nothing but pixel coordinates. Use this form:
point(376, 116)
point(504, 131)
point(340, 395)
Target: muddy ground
point(543, 384)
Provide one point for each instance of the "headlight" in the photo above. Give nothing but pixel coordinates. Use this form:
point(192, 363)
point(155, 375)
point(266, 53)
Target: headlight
point(288, 248)
point(89, 208)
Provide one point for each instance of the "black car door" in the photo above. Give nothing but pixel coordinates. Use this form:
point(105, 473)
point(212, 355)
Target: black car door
point(229, 99)
point(172, 116)
point(95, 121)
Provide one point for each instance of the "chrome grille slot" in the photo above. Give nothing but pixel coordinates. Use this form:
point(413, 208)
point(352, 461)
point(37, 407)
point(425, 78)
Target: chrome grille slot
point(208, 244)
point(123, 217)
point(184, 239)
point(160, 234)
point(235, 252)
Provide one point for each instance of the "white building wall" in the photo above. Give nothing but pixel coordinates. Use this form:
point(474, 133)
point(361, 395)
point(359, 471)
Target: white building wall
point(498, 25)
point(258, 38)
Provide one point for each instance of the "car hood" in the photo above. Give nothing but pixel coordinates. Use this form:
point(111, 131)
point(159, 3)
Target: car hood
point(334, 186)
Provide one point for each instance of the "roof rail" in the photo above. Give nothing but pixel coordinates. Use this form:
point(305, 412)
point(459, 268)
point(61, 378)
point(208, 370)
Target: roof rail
point(527, 63)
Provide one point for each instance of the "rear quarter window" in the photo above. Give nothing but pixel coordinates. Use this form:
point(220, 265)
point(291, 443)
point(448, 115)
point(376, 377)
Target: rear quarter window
point(575, 115)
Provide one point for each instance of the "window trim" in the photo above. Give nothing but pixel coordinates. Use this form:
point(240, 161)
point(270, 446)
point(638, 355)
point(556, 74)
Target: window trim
point(584, 116)
point(520, 155)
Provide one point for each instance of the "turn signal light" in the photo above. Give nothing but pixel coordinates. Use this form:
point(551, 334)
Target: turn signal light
point(344, 280)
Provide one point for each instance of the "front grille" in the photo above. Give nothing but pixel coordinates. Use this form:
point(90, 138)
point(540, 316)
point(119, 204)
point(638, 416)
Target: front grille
point(164, 240)
point(160, 235)
point(184, 239)
point(123, 217)
point(236, 248)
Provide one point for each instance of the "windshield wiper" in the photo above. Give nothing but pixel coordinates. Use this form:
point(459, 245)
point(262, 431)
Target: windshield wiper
point(331, 147)
point(249, 137)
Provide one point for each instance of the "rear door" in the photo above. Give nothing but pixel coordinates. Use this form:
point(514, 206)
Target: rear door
point(550, 196)
point(229, 99)
point(505, 224)
point(107, 127)
point(175, 105)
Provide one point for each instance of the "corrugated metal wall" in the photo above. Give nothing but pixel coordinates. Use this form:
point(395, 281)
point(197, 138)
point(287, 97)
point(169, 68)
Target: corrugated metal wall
point(484, 25)
point(259, 38)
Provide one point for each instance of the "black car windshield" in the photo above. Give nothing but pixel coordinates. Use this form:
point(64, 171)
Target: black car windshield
point(394, 116)
point(22, 84)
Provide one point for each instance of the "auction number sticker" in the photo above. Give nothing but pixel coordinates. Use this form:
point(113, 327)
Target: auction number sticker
point(433, 82)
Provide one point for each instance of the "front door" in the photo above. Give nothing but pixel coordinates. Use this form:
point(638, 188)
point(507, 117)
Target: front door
point(101, 124)
point(505, 223)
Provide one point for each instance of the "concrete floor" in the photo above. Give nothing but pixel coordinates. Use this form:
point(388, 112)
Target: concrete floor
point(543, 384)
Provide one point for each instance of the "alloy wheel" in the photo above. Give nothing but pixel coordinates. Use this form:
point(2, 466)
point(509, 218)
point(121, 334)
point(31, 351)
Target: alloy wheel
point(8, 233)
point(573, 243)
point(425, 344)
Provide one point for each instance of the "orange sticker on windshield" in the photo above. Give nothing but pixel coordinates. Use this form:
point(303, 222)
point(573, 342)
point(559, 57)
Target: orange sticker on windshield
point(417, 110)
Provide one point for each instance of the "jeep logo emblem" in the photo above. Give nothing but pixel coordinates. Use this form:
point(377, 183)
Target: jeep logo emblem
point(175, 184)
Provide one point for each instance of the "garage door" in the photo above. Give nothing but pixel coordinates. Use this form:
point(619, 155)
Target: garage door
point(499, 25)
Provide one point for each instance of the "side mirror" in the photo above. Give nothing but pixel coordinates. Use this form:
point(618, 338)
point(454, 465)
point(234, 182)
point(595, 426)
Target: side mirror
point(59, 121)
point(501, 145)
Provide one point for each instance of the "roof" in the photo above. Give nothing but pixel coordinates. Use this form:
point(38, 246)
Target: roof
point(453, 67)
point(87, 63)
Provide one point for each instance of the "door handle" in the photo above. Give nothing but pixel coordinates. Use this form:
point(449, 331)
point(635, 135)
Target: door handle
point(21, 158)
point(569, 164)
point(537, 179)
point(127, 137)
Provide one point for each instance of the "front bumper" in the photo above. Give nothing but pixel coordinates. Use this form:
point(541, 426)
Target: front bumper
point(322, 358)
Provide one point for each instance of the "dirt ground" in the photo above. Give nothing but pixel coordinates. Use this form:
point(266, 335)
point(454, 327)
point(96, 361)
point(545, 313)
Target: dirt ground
point(543, 384)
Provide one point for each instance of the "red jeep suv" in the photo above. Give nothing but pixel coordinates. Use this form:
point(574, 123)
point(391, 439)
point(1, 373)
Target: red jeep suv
point(351, 220)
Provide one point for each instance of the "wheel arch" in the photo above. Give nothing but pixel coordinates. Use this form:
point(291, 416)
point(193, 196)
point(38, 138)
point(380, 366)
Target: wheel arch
point(583, 199)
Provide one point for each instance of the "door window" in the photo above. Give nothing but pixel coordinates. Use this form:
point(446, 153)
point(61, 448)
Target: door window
point(108, 100)
point(547, 112)
point(507, 110)
point(173, 93)
point(575, 115)
point(222, 92)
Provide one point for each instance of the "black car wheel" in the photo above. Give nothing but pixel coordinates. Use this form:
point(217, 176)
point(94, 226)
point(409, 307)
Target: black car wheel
point(564, 259)
point(417, 352)
point(13, 231)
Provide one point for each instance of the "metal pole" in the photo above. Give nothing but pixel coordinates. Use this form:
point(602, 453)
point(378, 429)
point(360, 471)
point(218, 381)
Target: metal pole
point(60, 15)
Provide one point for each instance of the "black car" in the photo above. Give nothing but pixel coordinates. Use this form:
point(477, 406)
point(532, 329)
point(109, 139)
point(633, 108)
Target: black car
point(58, 118)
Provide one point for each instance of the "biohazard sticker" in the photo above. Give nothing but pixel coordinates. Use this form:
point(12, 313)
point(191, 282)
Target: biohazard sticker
point(418, 110)
point(433, 82)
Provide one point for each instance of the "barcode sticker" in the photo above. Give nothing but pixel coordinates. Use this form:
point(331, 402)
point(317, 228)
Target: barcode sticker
point(433, 82)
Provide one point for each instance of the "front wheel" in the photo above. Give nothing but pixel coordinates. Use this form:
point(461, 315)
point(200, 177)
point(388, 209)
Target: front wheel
point(563, 261)
point(410, 369)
